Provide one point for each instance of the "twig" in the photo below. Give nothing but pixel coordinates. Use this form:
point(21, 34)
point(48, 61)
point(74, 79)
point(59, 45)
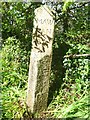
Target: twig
point(76, 56)
point(50, 111)
point(80, 5)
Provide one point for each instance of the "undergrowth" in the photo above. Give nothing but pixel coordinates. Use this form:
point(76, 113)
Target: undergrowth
point(72, 100)
point(14, 74)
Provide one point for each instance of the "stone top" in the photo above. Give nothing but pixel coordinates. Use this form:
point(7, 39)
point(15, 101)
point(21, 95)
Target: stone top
point(45, 7)
point(42, 32)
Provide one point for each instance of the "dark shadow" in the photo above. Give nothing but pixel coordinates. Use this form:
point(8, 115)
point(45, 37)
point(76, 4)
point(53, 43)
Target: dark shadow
point(58, 70)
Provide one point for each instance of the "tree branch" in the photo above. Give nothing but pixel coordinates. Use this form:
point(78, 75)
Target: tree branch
point(79, 6)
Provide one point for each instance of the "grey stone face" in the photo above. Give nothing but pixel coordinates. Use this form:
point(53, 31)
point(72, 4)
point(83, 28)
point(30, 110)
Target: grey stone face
point(40, 60)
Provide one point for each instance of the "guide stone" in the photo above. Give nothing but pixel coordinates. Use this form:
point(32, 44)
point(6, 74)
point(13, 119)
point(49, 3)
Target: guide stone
point(40, 59)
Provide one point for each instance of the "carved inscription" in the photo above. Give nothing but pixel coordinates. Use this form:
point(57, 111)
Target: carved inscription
point(45, 21)
point(40, 39)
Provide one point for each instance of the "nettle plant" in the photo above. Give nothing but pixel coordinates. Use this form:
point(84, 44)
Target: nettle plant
point(14, 78)
point(77, 69)
point(72, 100)
point(14, 63)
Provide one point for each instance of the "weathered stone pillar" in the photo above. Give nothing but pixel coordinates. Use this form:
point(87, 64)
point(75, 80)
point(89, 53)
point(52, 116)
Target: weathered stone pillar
point(40, 59)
